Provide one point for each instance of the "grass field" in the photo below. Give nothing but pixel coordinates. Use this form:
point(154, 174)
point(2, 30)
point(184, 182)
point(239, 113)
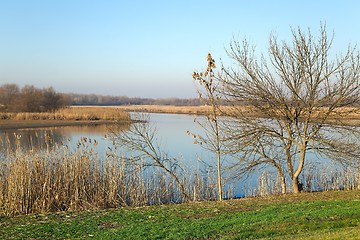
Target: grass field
point(325, 215)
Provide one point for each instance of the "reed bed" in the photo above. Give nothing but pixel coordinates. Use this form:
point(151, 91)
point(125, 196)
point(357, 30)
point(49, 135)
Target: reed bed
point(329, 178)
point(71, 114)
point(345, 115)
point(196, 110)
point(60, 179)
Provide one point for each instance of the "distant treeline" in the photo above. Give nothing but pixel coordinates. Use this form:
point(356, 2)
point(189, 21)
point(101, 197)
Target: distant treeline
point(32, 99)
point(29, 99)
point(101, 100)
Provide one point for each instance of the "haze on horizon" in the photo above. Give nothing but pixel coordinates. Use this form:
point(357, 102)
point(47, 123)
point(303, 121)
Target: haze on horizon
point(146, 48)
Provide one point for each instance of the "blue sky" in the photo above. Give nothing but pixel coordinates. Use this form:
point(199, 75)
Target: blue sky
point(141, 48)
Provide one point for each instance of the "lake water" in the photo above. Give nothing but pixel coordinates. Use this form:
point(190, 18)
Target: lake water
point(171, 136)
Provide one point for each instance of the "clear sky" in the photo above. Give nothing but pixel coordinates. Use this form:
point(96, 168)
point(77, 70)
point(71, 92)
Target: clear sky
point(146, 48)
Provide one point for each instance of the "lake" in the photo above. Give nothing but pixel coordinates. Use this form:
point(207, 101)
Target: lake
point(171, 136)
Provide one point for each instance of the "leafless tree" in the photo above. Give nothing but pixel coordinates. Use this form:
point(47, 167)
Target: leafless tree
point(29, 99)
point(8, 94)
point(51, 100)
point(302, 94)
point(141, 140)
point(211, 139)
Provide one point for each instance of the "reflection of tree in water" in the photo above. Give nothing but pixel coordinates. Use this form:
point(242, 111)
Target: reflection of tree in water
point(46, 138)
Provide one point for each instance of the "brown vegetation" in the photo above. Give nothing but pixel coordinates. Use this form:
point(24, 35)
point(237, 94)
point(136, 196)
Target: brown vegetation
point(352, 116)
point(196, 110)
point(64, 117)
point(71, 114)
point(60, 179)
point(29, 99)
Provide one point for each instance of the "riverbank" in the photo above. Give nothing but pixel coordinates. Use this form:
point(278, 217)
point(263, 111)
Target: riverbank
point(191, 110)
point(70, 116)
point(20, 124)
point(320, 215)
point(353, 118)
point(92, 115)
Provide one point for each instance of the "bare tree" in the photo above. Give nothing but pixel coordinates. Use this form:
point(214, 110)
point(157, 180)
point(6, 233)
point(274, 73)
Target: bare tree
point(51, 100)
point(296, 90)
point(31, 98)
point(8, 95)
point(208, 93)
point(141, 140)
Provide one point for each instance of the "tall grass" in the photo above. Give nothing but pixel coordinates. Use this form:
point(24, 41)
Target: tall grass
point(72, 114)
point(328, 178)
point(60, 179)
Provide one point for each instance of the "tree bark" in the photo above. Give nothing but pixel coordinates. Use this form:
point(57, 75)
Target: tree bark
point(295, 185)
point(295, 177)
point(283, 184)
point(220, 190)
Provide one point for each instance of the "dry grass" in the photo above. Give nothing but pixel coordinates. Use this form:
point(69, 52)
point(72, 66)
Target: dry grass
point(326, 178)
point(72, 114)
point(192, 110)
point(60, 179)
point(346, 115)
point(94, 113)
point(166, 109)
point(64, 117)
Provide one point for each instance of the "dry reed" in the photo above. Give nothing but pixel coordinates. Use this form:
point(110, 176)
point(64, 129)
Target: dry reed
point(72, 114)
point(329, 178)
point(59, 179)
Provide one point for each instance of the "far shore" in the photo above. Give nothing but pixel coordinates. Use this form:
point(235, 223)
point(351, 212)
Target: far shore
point(353, 119)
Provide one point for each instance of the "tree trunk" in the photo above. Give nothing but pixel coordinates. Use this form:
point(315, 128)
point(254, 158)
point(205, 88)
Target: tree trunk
point(282, 178)
point(297, 187)
point(220, 191)
point(295, 184)
point(283, 184)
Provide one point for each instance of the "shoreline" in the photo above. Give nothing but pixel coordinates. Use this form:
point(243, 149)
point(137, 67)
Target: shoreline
point(25, 124)
point(353, 120)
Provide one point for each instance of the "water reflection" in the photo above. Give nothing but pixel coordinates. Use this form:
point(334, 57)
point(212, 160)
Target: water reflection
point(172, 138)
point(36, 139)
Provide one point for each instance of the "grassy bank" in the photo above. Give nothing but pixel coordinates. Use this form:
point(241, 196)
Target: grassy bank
point(325, 215)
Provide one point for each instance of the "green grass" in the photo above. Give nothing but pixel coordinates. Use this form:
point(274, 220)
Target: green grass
point(327, 215)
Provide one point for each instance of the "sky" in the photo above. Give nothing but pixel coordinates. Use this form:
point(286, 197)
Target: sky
point(147, 48)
